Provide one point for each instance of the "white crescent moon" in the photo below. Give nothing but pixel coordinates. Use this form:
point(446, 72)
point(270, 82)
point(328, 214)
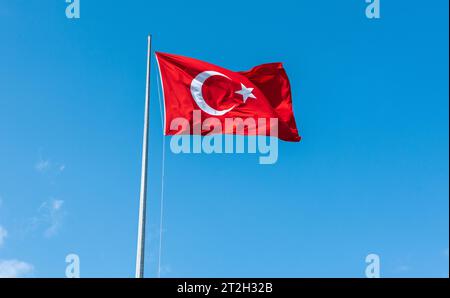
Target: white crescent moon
point(197, 94)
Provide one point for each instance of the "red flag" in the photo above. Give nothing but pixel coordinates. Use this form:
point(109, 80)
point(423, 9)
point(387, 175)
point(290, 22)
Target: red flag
point(262, 93)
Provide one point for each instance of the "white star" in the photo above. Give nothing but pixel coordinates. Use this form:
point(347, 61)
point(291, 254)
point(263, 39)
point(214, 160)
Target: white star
point(246, 92)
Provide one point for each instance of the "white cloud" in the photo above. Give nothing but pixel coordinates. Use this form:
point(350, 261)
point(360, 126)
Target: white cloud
point(50, 217)
point(55, 218)
point(42, 165)
point(45, 166)
point(3, 235)
point(54, 215)
point(56, 205)
point(14, 268)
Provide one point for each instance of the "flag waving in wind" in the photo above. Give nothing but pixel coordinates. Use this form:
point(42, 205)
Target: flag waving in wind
point(262, 93)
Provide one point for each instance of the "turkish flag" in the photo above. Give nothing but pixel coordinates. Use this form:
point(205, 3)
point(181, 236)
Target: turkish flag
point(262, 94)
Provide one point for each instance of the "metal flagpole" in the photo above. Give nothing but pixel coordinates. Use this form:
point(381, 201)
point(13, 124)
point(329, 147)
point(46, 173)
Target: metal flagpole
point(143, 193)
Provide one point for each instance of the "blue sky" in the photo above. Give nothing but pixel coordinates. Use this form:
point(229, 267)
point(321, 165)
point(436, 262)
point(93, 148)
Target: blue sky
point(369, 176)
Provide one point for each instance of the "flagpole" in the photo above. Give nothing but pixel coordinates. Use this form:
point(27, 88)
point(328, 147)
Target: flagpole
point(143, 192)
